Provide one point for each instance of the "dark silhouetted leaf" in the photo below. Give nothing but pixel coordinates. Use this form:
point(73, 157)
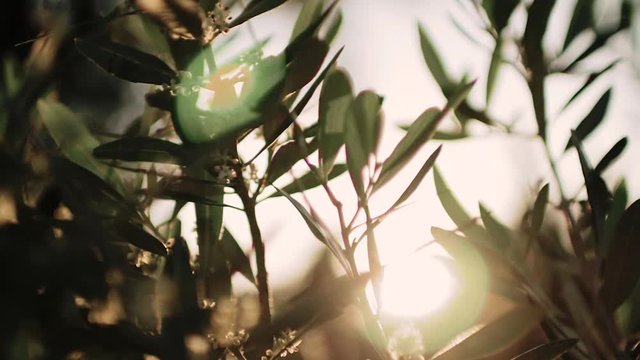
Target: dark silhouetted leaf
point(539, 207)
point(126, 62)
point(362, 127)
point(236, 257)
point(296, 45)
point(618, 204)
point(335, 99)
point(597, 192)
point(622, 268)
point(494, 66)
point(434, 63)
point(549, 351)
point(135, 235)
point(286, 156)
point(592, 120)
point(534, 59)
point(418, 133)
point(501, 12)
point(456, 213)
point(306, 65)
point(611, 155)
point(255, 8)
point(142, 149)
point(310, 180)
point(309, 13)
point(417, 180)
point(592, 77)
point(581, 20)
point(500, 235)
point(495, 336)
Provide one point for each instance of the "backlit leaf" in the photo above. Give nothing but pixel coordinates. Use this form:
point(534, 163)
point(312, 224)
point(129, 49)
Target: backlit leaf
point(142, 149)
point(417, 180)
point(286, 156)
point(236, 256)
point(126, 62)
point(310, 180)
point(432, 59)
point(255, 8)
point(501, 235)
point(539, 207)
point(311, 10)
point(611, 156)
point(494, 66)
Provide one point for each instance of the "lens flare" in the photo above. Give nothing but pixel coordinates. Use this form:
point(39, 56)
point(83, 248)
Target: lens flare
point(417, 286)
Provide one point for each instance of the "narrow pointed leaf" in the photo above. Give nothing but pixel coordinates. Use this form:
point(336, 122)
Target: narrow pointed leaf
point(549, 351)
point(142, 149)
point(286, 156)
point(310, 180)
point(495, 336)
point(432, 59)
point(318, 231)
point(335, 99)
point(417, 180)
point(501, 235)
point(334, 28)
point(592, 120)
point(126, 62)
point(306, 65)
point(295, 45)
point(494, 66)
point(418, 133)
point(581, 20)
point(611, 156)
point(135, 235)
point(311, 10)
point(622, 268)
point(618, 205)
point(236, 256)
point(539, 207)
point(255, 8)
point(590, 79)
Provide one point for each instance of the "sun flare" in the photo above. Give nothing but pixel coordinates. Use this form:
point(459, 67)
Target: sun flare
point(417, 286)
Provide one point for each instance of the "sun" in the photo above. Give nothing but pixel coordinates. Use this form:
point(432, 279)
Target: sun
point(417, 285)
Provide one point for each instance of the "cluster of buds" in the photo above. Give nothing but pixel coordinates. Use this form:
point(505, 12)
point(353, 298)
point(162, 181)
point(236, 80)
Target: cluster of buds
point(231, 339)
point(224, 170)
point(287, 343)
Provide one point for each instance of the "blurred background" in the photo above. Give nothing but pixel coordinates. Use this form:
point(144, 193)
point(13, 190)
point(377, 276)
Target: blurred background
point(382, 52)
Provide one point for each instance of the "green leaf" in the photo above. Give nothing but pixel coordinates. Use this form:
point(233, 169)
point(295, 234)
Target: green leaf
point(305, 65)
point(581, 20)
point(361, 135)
point(319, 232)
point(611, 155)
point(335, 99)
point(539, 207)
point(334, 28)
point(310, 180)
point(295, 45)
point(434, 63)
point(449, 136)
point(592, 120)
point(236, 256)
point(494, 66)
point(126, 62)
point(418, 133)
point(255, 8)
point(618, 204)
point(495, 336)
point(142, 149)
point(417, 180)
point(501, 235)
point(622, 268)
point(311, 10)
point(135, 235)
point(592, 77)
point(456, 212)
point(286, 156)
point(74, 139)
point(549, 351)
